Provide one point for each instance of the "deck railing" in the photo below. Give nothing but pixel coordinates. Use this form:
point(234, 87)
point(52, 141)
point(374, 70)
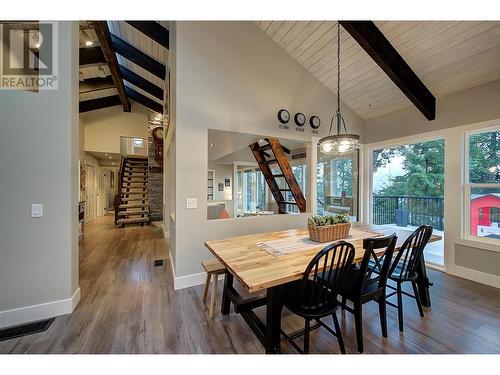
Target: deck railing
point(418, 210)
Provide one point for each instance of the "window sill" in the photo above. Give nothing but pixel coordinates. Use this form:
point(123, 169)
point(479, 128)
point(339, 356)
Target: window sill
point(481, 243)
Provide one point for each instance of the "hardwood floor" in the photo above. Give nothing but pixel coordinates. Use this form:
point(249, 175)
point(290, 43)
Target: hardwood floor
point(129, 306)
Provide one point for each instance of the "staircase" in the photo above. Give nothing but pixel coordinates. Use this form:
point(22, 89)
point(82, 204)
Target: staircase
point(273, 154)
point(131, 201)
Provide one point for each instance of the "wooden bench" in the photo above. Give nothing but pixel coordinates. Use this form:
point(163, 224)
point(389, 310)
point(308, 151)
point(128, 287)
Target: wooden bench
point(214, 268)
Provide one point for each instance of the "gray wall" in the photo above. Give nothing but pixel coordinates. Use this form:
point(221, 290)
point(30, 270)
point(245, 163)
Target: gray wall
point(232, 76)
point(480, 103)
point(38, 164)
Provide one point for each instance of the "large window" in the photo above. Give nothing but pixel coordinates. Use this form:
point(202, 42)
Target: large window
point(408, 190)
point(483, 184)
point(337, 187)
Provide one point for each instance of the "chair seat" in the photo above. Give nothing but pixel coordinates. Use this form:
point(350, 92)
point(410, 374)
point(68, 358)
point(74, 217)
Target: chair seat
point(292, 301)
point(395, 276)
point(370, 288)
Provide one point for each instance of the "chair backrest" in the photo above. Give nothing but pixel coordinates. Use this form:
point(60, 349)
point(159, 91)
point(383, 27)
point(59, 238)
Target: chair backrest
point(405, 264)
point(326, 271)
point(374, 267)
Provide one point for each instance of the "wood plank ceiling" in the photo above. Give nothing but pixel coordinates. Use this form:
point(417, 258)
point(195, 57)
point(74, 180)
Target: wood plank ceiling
point(98, 73)
point(448, 56)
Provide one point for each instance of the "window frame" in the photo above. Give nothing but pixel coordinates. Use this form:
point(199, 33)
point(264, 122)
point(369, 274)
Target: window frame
point(468, 186)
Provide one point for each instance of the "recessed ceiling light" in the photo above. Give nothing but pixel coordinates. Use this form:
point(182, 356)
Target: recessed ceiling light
point(105, 154)
point(89, 43)
point(211, 145)
point(110, 157)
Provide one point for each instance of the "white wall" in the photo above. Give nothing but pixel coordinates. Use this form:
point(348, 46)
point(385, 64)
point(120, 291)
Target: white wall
point(231, 76)
point(104, 127)
point(38, 164)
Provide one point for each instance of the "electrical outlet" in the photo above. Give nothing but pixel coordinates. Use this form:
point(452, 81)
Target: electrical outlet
point(191, 203)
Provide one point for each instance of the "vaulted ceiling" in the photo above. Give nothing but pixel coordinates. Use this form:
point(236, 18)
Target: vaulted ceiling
point(448, 56)
point(139, 54)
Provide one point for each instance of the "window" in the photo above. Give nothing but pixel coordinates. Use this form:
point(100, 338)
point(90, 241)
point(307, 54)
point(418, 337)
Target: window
point(337, 187)
point(408, 190)
point(251, 190)
point(483, 185)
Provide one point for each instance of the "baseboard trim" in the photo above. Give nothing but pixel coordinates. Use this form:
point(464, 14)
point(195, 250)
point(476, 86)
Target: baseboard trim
point(477, 276)
point(188, 281)
point(38, 312)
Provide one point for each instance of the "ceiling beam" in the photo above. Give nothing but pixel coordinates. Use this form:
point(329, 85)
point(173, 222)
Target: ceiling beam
point(91, 56)
point(138, 57)
point(154, 30)
point(145, 101)
point(373, 41)
point(104, 36)
point(97, 83)
point(99, 103)
point(140, 82)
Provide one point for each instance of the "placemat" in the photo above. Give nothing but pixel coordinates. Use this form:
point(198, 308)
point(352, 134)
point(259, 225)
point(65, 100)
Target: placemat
point(303, 243)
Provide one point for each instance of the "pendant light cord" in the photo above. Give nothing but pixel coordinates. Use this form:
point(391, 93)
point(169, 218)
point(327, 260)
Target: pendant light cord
point(338, 115)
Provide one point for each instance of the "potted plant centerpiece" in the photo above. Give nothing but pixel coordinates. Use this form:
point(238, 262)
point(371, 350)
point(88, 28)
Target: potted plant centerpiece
point(329, 228)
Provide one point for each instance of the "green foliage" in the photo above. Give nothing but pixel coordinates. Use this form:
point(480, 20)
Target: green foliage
point(484, 154)
point(424, 167)
point(320, 221)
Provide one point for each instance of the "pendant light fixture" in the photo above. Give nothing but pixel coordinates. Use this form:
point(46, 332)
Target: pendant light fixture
point(342, 142)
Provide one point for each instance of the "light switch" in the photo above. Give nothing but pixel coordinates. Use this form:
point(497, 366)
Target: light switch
point(36, 210)
point(191, 203)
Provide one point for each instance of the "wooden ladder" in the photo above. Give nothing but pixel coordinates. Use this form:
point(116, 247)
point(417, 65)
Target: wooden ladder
point(278, 157)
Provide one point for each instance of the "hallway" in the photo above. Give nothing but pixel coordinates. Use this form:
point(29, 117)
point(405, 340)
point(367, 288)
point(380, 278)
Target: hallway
point(129, 306)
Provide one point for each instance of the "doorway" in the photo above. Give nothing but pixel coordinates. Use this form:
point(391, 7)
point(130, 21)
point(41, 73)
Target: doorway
point(91, 194)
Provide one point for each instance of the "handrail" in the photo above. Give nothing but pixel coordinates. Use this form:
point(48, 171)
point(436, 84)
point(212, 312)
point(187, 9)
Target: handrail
point(119, 191)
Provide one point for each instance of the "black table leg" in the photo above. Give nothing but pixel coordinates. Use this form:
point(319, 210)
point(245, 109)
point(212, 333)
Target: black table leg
point(423, 283)
point(226, 302)
point(273, 320)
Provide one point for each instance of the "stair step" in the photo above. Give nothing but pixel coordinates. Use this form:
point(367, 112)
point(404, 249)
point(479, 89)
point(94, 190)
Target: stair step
point(135, 175)
point(134, 212)
point(135, 165)
point(265, 148)
point(132, 205)
point(132, 190)
point(128, 199)
point(271, 161)
point(132, 220)
point(285, 189)
point(278, 175)
point(135, 169)
point(289, 202)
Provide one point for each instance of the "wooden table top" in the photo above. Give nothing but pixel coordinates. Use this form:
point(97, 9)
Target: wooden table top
point(256, 269)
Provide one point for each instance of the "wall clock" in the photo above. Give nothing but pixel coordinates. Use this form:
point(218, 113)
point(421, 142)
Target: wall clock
point(300, 119)
point(283, 116)
point(315, 122)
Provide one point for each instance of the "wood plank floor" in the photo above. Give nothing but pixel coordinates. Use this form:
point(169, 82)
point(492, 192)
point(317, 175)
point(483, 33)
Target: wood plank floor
point(129, 306)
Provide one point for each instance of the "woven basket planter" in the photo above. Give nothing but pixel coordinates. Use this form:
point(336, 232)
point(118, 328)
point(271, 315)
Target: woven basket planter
point(328, 233)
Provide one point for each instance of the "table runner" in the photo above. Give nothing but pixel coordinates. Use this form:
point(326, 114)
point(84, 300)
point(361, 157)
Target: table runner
point(303, 243)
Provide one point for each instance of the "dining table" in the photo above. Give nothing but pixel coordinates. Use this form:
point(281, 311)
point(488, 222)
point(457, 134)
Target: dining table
point(258, 270)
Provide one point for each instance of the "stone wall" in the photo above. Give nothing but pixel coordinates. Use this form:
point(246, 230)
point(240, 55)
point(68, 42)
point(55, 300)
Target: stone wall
point(155, 173)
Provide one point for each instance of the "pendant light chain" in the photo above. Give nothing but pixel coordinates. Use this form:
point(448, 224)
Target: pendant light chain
point(338, 68)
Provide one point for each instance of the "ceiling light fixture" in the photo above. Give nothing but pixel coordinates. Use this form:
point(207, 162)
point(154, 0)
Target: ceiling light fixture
point(89, 43)
point(211, 145)
point(339, 143)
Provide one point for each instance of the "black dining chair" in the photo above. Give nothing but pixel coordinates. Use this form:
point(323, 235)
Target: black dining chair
point(315, 296)
point(367, 282)
point(404, 269)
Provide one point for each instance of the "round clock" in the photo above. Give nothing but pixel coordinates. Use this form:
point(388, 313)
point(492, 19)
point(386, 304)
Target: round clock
point(315, 122)
point(300, 119)
point(158, 133)
point(283, 116)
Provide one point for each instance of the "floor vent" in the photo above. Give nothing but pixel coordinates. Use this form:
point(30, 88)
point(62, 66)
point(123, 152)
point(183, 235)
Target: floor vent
point(159, 262)
point(25, 329)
